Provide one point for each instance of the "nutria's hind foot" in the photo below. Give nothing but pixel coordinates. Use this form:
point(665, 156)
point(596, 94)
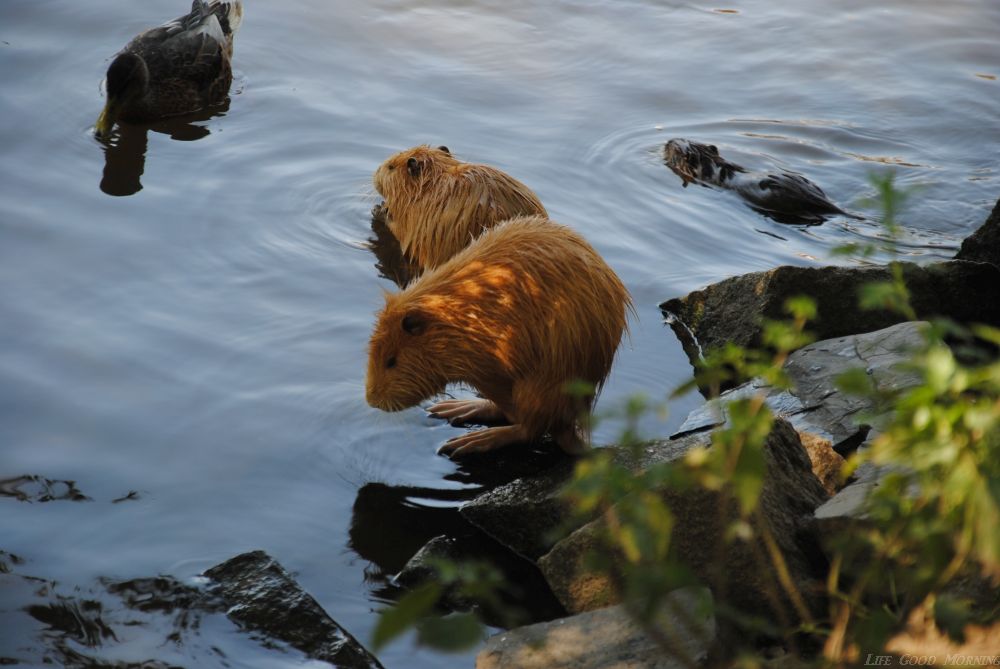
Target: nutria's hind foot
point(482, 441)
point(465, 412)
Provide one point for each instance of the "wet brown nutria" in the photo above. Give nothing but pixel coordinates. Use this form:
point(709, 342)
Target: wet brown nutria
point(524, 310)
point(784, 196)
point(438, 204)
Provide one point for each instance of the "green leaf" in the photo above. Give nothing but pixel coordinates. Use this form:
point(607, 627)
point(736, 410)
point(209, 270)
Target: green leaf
point(452, 633)
point(856, 381)
point(801, 306)
point(952, 614)
point(410, 608)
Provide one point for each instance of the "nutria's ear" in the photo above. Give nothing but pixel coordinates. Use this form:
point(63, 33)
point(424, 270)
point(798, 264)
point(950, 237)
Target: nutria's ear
point(413, 166)
point(445, 149)
point(414, 323)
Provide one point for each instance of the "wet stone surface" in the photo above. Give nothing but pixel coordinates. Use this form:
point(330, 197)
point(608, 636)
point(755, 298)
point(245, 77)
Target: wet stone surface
point(609, 638)
point(815, 404)
point(264, 598)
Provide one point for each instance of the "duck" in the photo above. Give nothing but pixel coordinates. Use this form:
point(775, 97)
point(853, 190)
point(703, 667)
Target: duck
point(179, 67)
point(787, 197)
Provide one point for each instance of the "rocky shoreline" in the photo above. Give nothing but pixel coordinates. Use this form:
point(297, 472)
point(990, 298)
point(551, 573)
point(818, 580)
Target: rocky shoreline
point(582, 621)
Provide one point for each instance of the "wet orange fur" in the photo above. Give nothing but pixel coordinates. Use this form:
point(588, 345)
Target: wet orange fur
point(436, 213)
point(526, 308)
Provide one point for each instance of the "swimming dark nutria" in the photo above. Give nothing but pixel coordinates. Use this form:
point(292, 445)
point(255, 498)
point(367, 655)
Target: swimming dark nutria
point(527, 308)
point(437, 204)
point(180, 67)
point(785, 196)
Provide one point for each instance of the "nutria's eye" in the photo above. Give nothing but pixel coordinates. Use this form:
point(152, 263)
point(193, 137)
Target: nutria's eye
point(390, 363)
point(413, 167)
point(414, 324)
point(445, 149)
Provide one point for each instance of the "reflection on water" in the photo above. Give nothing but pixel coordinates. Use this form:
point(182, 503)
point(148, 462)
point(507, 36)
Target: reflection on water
point(390, 524)
point(125, 148)
point(390, 263)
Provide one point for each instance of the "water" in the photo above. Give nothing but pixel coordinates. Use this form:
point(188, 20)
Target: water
point(201, 341)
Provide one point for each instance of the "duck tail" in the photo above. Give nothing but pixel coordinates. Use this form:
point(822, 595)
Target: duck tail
point(228, 12)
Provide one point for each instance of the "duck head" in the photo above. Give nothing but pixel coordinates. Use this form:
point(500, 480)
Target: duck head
point(127, 80)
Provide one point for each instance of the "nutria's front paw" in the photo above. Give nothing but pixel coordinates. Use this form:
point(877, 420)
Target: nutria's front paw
point(482, 441)
point(464, 412)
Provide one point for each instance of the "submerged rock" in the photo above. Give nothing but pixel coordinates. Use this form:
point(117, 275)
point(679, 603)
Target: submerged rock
point(983, 245)
point(264, 598)
point(733, 310)
point(610, 638)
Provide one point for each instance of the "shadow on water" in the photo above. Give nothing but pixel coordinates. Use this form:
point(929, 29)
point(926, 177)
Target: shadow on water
point(390, 525)
point(125, 150)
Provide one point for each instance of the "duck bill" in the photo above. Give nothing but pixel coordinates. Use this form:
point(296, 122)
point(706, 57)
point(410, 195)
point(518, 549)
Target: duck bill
point(106, 121)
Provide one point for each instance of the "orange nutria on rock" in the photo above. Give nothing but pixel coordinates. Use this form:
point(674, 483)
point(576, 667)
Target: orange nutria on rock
point(527, 308)
point(438, 204)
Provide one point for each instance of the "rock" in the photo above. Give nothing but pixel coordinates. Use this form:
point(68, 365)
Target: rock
point(790, 495)
point(826, 462)
point(609, 638)
point(984, 244)
point(815, 405)
point(523, 595)
point(524, 513)
point(528, 516)
point(732, 310)
point(921, 638)
point(264, 598)
point(848, 506)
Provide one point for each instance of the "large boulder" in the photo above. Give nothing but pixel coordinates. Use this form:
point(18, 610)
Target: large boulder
point(984, 244)
point(610, 637)
point(743, 580)
point(733, 310)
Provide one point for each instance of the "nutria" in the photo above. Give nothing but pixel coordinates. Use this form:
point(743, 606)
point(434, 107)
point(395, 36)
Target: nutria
point(785, 196)
point(526, 309)
point(438, 204)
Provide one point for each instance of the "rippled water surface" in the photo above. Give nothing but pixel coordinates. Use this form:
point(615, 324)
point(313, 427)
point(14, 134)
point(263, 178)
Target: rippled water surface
point(185, 313)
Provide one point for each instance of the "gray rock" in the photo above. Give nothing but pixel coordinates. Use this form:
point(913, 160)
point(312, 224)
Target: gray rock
point(527, 514)
point(732, 310)
point(523, 597)
point(984, 244)
point(814, 404)
point(523, 513)
point(263, 597)
point(790, 495)
point(610, 638)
